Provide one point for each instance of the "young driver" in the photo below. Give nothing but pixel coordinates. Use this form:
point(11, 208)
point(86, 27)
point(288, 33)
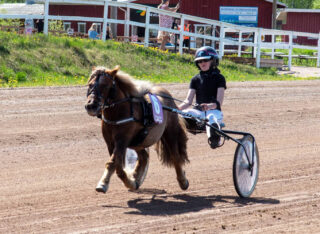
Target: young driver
point(208, 87)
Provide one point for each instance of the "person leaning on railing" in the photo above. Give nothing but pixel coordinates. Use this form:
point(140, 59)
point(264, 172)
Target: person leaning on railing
point(165, 21)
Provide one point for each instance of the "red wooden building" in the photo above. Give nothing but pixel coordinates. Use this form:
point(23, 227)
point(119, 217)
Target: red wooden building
point(300, 20)
point(210, 9)
point(202, 8)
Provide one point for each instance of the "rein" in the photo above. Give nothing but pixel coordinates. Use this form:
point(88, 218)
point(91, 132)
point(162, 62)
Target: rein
point(175, 99)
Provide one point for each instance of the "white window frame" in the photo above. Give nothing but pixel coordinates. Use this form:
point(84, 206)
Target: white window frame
point(82, 24)
point(66, 25)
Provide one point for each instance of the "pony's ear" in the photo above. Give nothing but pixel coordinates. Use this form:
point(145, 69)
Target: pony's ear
point(114, 71)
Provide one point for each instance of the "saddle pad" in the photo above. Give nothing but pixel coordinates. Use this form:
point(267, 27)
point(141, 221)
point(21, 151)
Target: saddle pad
point(156, 109)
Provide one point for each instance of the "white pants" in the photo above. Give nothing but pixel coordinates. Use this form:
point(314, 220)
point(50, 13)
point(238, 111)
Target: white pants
point(213, 116)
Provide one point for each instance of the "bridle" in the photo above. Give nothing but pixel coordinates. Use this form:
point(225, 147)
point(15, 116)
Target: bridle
point(108, 102)
point(95, 90)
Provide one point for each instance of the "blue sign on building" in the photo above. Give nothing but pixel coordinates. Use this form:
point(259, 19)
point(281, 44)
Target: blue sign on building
point(246, 16)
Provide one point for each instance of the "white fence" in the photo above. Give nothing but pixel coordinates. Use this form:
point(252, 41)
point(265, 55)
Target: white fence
point(220, 28)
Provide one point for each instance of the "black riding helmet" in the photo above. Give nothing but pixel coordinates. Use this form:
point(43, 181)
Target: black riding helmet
point(207, 52)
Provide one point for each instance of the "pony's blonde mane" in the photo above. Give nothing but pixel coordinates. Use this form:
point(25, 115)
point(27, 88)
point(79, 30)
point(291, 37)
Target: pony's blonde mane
point(127, 83)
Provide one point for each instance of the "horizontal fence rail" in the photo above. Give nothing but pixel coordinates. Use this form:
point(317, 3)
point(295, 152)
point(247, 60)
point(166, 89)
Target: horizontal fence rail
point(219, 38)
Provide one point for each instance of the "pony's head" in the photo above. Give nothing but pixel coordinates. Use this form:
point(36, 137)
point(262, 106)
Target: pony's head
point(105, 85)
point(101, 86)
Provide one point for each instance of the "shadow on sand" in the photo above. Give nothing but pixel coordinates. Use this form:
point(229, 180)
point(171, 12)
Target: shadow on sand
point(162, 203)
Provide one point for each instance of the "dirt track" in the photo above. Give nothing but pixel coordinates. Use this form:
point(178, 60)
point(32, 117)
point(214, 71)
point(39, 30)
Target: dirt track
point(52, 155)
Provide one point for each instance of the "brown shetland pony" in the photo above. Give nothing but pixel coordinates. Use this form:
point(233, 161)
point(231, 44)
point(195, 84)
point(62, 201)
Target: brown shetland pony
point(117, 99)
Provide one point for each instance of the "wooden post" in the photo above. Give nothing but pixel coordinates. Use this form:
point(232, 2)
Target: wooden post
point(290, 50)
point(221, 42)
point(114, 15)
point(255, 40)
point(274, 14)
point(181, 35)
point(146, 32)
point(318, 59)
point(105, 21)
point(213, 34)
point(46, 13)
point(239, 46)
point(258, 49)
point(127, 26)
point(272, 53)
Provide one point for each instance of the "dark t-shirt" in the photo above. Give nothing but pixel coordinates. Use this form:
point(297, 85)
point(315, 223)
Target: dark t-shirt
point(206, 85)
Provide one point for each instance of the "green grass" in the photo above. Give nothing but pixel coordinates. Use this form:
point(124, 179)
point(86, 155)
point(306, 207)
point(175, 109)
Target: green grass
point(41, 60)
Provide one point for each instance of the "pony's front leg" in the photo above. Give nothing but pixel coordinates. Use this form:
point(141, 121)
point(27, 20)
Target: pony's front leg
point(103, 183)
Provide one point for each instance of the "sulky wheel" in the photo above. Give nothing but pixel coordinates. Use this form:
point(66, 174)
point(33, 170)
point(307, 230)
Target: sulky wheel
point(244, 178)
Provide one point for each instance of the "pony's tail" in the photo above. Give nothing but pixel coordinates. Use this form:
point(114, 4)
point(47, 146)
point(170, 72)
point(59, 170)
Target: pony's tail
point(172, 147)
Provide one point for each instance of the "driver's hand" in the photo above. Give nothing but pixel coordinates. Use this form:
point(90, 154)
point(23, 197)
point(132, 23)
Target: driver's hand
point(208, 106)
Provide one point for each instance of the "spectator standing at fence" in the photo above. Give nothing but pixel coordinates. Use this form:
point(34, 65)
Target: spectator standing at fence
point(93, 32)
point(39, 25)
point(165, 21)
point(109, 34)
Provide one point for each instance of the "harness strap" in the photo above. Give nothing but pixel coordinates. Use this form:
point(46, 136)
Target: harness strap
point(142, 134)
point(119, 122)
point(126, 120)
point(105, 106)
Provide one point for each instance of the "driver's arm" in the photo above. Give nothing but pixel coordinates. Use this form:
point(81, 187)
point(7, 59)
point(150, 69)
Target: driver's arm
point(188, 101)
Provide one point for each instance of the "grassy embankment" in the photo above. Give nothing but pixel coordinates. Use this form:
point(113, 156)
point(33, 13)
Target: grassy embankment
point(41, 60)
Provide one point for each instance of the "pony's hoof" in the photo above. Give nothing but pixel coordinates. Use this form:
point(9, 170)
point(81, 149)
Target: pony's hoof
point(184, 184)
point(136, 187)
point(101, 188)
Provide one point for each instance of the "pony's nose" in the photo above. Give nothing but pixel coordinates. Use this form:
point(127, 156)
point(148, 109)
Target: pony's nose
point(89, 105)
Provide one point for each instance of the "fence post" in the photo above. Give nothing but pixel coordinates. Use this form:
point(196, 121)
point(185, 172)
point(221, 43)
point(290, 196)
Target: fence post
point(290, 50)
point(318, 59)
point(213, 34)
point(127, 26)
point(147, 31)
point(254, 46)
point(105, 20)
point(272, 40)
point(181, 35)
point(46, 13)
point(258, 49)
point(239, 46)
point(221, 42)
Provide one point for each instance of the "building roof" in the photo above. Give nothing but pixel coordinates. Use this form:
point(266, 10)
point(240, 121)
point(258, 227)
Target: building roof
point(21, 9)
point(301, 10)
point(282, 14)
point(278, 3)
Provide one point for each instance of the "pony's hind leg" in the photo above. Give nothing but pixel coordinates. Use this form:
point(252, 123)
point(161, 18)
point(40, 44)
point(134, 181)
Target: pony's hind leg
point(181, 177)
point(103, 183)
point(142, 167)
point(128, 180)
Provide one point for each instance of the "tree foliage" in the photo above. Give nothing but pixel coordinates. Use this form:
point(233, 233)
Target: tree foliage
point(305, 4)
point(316, 4)
point(12, 1)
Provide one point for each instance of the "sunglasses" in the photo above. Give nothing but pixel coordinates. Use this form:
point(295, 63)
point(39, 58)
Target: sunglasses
point(204, 60)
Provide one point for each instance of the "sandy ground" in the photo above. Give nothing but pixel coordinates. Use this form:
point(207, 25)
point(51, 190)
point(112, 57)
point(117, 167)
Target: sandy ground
point(302, 72)
point(52, 155)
